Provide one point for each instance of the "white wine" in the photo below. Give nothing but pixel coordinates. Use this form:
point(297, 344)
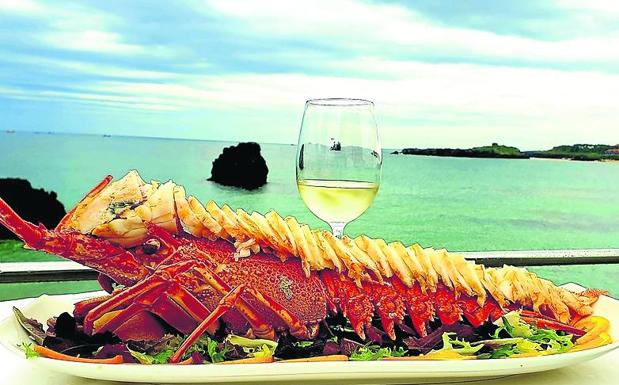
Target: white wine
point(337, 200)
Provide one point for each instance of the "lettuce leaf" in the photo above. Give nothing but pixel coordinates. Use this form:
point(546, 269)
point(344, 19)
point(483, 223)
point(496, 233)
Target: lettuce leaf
point(459, 346)
point(216, 355)
point(303, 344)
point(375, 352)
point(28, 350)
point(162, 357)
point(142, 358)
point(512, 324)
point(526, 338)
point(205, 346)
point(253, 347)
point(208, 347)
point(553, 342)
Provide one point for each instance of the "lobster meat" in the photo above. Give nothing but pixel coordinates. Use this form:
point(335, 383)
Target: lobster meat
point(167, 261)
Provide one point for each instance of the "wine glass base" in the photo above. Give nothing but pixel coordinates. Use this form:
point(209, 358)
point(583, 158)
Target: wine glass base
point(337, 228)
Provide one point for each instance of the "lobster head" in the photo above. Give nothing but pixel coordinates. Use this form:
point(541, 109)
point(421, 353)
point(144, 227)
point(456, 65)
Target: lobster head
point(103, 231)
point(120, 211)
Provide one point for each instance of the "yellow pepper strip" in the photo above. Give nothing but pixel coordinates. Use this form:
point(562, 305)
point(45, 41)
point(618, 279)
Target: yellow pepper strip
point(593, 326)
point(251, 360)
point(602, 339)
point(334, 357)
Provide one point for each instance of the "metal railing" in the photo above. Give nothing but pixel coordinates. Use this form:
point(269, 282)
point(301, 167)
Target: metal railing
point(14, 272)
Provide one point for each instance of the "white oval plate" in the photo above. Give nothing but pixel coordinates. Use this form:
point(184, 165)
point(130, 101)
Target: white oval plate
point(11, 335)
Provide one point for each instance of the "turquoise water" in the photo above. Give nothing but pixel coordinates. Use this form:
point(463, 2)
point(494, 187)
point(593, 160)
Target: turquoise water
point(457, 203)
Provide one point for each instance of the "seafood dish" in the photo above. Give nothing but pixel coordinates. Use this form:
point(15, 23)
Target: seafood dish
point(189, 283)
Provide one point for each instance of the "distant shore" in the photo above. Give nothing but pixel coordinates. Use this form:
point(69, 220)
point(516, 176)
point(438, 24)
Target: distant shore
point(571, 160)
point(494, 151)
point(581, 152)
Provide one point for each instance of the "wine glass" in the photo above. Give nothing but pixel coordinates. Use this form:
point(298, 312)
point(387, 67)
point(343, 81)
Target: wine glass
point(339, 159)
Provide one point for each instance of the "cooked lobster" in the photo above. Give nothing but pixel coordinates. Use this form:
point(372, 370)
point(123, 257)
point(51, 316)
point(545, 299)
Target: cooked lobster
point(168, 261)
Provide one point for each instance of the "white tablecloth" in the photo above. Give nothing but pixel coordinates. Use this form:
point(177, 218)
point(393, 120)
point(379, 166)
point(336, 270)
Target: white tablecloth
point(16, 370)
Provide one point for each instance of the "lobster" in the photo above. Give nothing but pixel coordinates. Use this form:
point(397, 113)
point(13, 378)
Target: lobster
point(167, 261)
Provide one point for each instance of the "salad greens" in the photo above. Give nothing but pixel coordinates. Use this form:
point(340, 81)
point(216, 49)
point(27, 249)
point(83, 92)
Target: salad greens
point(375, 352)
point(459, 346)
point(508, 336)
point(213, 351)
point(529, 338)
point(206, 346)
point(253, 347)
point(209, 348)
point(521, 339)
point(147, 359)
point(27, 348)
point(303, 344)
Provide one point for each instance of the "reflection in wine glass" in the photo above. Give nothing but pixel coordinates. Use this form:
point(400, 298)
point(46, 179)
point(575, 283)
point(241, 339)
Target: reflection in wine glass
point(339, 159)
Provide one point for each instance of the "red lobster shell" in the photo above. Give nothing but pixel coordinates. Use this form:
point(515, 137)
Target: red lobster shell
point(192, 265)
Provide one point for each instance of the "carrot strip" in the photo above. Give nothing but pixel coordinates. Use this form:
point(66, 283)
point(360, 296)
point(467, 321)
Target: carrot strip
point(333, 357)
point(49, 353)
point(253, 360)
point(188, 361)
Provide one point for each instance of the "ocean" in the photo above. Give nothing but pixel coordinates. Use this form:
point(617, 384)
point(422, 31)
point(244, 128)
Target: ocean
point(456, 203)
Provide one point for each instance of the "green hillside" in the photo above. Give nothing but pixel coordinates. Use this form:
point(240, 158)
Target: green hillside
point(579, 152)
point(499, 149)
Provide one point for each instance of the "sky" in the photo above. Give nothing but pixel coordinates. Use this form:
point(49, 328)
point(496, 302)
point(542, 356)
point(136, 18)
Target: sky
point(442, 74)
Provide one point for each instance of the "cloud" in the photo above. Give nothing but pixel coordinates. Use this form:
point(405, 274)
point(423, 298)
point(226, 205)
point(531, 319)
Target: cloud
point(397, 31)
point(90, 40)
point(459, 104)
point(71, 26)
point(20, 6)
point(595, 7)
point(248, 67)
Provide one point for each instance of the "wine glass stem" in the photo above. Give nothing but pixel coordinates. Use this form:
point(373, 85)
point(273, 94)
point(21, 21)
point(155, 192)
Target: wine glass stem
point(337, 228)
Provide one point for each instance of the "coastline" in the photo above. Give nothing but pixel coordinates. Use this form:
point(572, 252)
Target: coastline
point(493, 151)
point(574, 160)
point(518, 158)
point(467, 156)
point(576, 152)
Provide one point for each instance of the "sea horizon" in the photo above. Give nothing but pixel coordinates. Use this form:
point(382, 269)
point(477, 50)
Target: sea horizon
point(109, 135)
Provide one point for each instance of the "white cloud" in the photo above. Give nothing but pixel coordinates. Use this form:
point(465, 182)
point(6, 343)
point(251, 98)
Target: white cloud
point(124, 102)
point(72, 26)
point(590, 6)
point(448, 104)
point(90, 40)
point(381, 29)
point(20, 6)
point(100, 69)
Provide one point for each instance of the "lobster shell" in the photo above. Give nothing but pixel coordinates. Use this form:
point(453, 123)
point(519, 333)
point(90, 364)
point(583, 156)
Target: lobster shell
point(191, 265)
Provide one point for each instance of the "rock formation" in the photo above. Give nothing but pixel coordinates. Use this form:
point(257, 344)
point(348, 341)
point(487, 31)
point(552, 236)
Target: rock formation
point(240, 166)
point(34, 205)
